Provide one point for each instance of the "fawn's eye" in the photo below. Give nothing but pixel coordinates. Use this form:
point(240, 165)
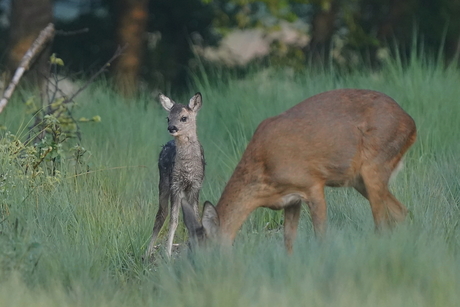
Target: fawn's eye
point(183, 119)
point(167, 118)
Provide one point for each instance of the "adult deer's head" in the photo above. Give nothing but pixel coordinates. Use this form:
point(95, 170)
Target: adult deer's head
point(201, 231)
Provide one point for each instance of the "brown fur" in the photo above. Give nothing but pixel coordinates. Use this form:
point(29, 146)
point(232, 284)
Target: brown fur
point(341, 138)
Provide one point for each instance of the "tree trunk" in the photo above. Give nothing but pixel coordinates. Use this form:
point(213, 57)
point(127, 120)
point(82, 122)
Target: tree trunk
point(323, 28)
point(398, 9)
point(132, 22)
point(28, 18)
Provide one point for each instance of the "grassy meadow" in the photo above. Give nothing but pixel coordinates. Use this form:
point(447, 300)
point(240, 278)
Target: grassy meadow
point(79, 241)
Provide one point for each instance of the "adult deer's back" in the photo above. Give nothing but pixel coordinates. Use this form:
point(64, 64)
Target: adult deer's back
point(346, 137)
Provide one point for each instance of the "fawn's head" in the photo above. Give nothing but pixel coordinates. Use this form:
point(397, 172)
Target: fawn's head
point(181, 118)
point(207, 229)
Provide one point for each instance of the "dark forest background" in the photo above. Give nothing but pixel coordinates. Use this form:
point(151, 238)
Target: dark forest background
point(166, 39)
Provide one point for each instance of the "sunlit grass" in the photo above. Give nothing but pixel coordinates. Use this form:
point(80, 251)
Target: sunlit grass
point(80, 244)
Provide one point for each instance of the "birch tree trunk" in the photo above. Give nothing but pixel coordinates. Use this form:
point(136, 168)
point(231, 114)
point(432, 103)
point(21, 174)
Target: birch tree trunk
point(28, 18)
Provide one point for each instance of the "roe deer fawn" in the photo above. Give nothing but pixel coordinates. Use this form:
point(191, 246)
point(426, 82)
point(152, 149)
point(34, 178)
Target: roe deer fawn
point(181, 166)
point(346, 137)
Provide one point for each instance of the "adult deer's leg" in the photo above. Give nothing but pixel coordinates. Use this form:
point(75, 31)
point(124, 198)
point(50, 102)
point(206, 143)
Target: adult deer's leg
point(396, 209)
point(291, 221)
point(383, 204)
point(318, 211)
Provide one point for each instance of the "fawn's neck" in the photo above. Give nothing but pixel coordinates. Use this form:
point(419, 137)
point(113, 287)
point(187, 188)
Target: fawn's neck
point(186, 143)
point(188, 153)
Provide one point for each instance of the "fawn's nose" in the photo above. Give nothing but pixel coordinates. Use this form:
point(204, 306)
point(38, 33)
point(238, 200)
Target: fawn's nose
point(172, 129)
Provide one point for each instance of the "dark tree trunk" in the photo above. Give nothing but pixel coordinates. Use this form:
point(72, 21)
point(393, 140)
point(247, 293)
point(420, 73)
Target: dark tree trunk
point(323, 27)
point(397, 12)
point(28, 18)
point(132, 22)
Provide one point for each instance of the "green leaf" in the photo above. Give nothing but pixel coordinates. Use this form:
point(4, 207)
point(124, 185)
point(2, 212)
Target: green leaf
point(55, 60)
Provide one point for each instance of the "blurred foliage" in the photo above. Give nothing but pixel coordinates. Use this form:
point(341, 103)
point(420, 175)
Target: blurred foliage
point(250, 13)
point(173, 27)
point(55, 134)
point(86, 52)
point(18, 253)
point(34, 157)
point(357, 29)
point(341, 31)
point(36, 160)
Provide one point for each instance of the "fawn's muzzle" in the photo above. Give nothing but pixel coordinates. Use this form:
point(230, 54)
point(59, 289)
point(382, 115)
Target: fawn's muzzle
point(172, 129)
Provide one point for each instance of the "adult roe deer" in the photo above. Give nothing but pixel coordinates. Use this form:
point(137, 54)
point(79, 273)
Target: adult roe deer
point(346, 137)
point(181, 165)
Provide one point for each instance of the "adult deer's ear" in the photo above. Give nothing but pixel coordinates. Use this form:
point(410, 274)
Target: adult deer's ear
point(166, 102)
point(210, 220)
point(195, 102)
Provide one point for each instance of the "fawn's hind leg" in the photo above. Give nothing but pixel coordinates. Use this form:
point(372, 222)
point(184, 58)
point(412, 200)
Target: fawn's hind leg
point(192, 198)
point(174, 222)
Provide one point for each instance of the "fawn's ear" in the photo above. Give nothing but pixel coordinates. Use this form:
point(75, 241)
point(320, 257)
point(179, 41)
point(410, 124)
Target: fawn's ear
point(190, 220)
point(195, 102)
point(210, 220)
point(166, 102)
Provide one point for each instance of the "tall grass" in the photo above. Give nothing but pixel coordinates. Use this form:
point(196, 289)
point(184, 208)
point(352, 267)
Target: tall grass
point(80, 243)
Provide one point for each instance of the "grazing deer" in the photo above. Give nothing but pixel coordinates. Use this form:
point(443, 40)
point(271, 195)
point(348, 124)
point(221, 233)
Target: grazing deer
point(181, 166)
point(341, 138)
